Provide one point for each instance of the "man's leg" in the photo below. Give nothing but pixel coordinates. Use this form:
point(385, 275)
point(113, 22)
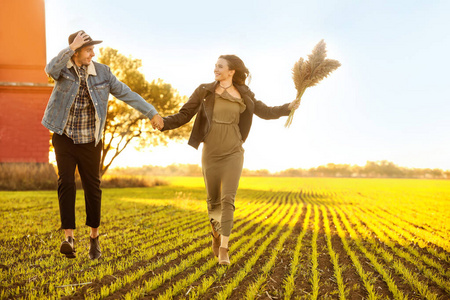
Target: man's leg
point(94, 232)
point(89, 169)
point(66, 162)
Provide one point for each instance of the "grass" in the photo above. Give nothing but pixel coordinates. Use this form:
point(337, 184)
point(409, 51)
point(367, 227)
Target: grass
point(27, 176)
point(294, 238)
point(42, 176)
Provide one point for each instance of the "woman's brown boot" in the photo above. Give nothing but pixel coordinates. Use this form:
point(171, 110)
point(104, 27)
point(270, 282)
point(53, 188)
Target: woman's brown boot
point(215, 241)
point(215, 244)
point(223, 256)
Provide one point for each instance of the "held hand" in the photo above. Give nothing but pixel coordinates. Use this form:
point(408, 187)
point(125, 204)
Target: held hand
point(294, 105)
point(157, 122)
point(79, 40)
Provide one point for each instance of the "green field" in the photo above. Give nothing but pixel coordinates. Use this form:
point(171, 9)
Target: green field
point(294, 238)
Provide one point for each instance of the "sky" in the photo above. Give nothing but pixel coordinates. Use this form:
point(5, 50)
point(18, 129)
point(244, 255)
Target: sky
point(388, 101)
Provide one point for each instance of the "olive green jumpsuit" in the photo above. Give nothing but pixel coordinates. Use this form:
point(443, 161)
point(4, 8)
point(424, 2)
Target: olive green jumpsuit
point(222, 161)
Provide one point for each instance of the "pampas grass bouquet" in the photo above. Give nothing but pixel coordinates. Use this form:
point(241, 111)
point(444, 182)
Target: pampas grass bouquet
point(307, 73)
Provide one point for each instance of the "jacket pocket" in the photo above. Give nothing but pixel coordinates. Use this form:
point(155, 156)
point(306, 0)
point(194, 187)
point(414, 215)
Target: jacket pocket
point(102, 89)
point(65, 82)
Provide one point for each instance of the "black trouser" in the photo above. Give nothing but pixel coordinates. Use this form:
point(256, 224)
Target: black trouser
point(87, 158)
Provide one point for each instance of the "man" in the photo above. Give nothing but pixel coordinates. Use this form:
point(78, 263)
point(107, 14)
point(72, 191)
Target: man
point(76, 113)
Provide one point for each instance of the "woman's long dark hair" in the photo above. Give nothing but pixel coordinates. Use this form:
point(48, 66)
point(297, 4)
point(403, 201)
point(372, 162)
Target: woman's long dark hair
point(241, 72)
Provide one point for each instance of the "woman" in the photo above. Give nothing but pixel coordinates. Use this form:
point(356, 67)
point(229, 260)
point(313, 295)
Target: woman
point(224, 111)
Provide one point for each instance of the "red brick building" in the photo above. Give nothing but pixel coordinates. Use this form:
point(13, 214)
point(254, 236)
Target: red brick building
point(24, 88)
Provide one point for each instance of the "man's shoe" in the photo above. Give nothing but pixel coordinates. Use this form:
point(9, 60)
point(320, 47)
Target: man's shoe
point(68, 247)
point(94, 250)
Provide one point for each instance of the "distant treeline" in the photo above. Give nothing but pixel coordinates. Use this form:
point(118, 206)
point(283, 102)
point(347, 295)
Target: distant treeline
point(377, 169)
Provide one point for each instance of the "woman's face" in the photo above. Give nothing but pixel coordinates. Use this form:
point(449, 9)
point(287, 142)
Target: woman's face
point(221, 70)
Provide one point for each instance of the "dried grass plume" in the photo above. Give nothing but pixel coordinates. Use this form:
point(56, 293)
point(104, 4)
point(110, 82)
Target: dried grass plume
point(310, 72)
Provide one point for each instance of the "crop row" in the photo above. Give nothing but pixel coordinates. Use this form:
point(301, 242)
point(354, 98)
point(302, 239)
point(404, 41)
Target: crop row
point(307, 242)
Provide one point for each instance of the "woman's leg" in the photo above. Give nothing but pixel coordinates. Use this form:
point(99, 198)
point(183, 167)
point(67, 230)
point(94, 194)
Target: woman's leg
point(212, 184)
point(230, 183)
point(213, 189)
point(224, 241)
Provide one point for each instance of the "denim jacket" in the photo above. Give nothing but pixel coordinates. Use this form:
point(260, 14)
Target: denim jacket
point(100, 81)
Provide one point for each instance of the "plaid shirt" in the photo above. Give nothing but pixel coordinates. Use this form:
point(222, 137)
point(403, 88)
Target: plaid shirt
point(80, 125)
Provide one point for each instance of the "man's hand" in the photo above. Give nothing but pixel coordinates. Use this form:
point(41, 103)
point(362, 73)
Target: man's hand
point(157, 122)
point(79, 40)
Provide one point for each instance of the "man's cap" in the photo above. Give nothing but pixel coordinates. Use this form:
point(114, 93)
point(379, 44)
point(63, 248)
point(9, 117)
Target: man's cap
point(89, 42)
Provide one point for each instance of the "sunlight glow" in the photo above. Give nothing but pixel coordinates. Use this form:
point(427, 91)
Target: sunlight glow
point(376, 106)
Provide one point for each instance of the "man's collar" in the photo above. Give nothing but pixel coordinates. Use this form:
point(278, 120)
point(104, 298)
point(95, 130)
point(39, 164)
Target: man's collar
point(90, 68)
